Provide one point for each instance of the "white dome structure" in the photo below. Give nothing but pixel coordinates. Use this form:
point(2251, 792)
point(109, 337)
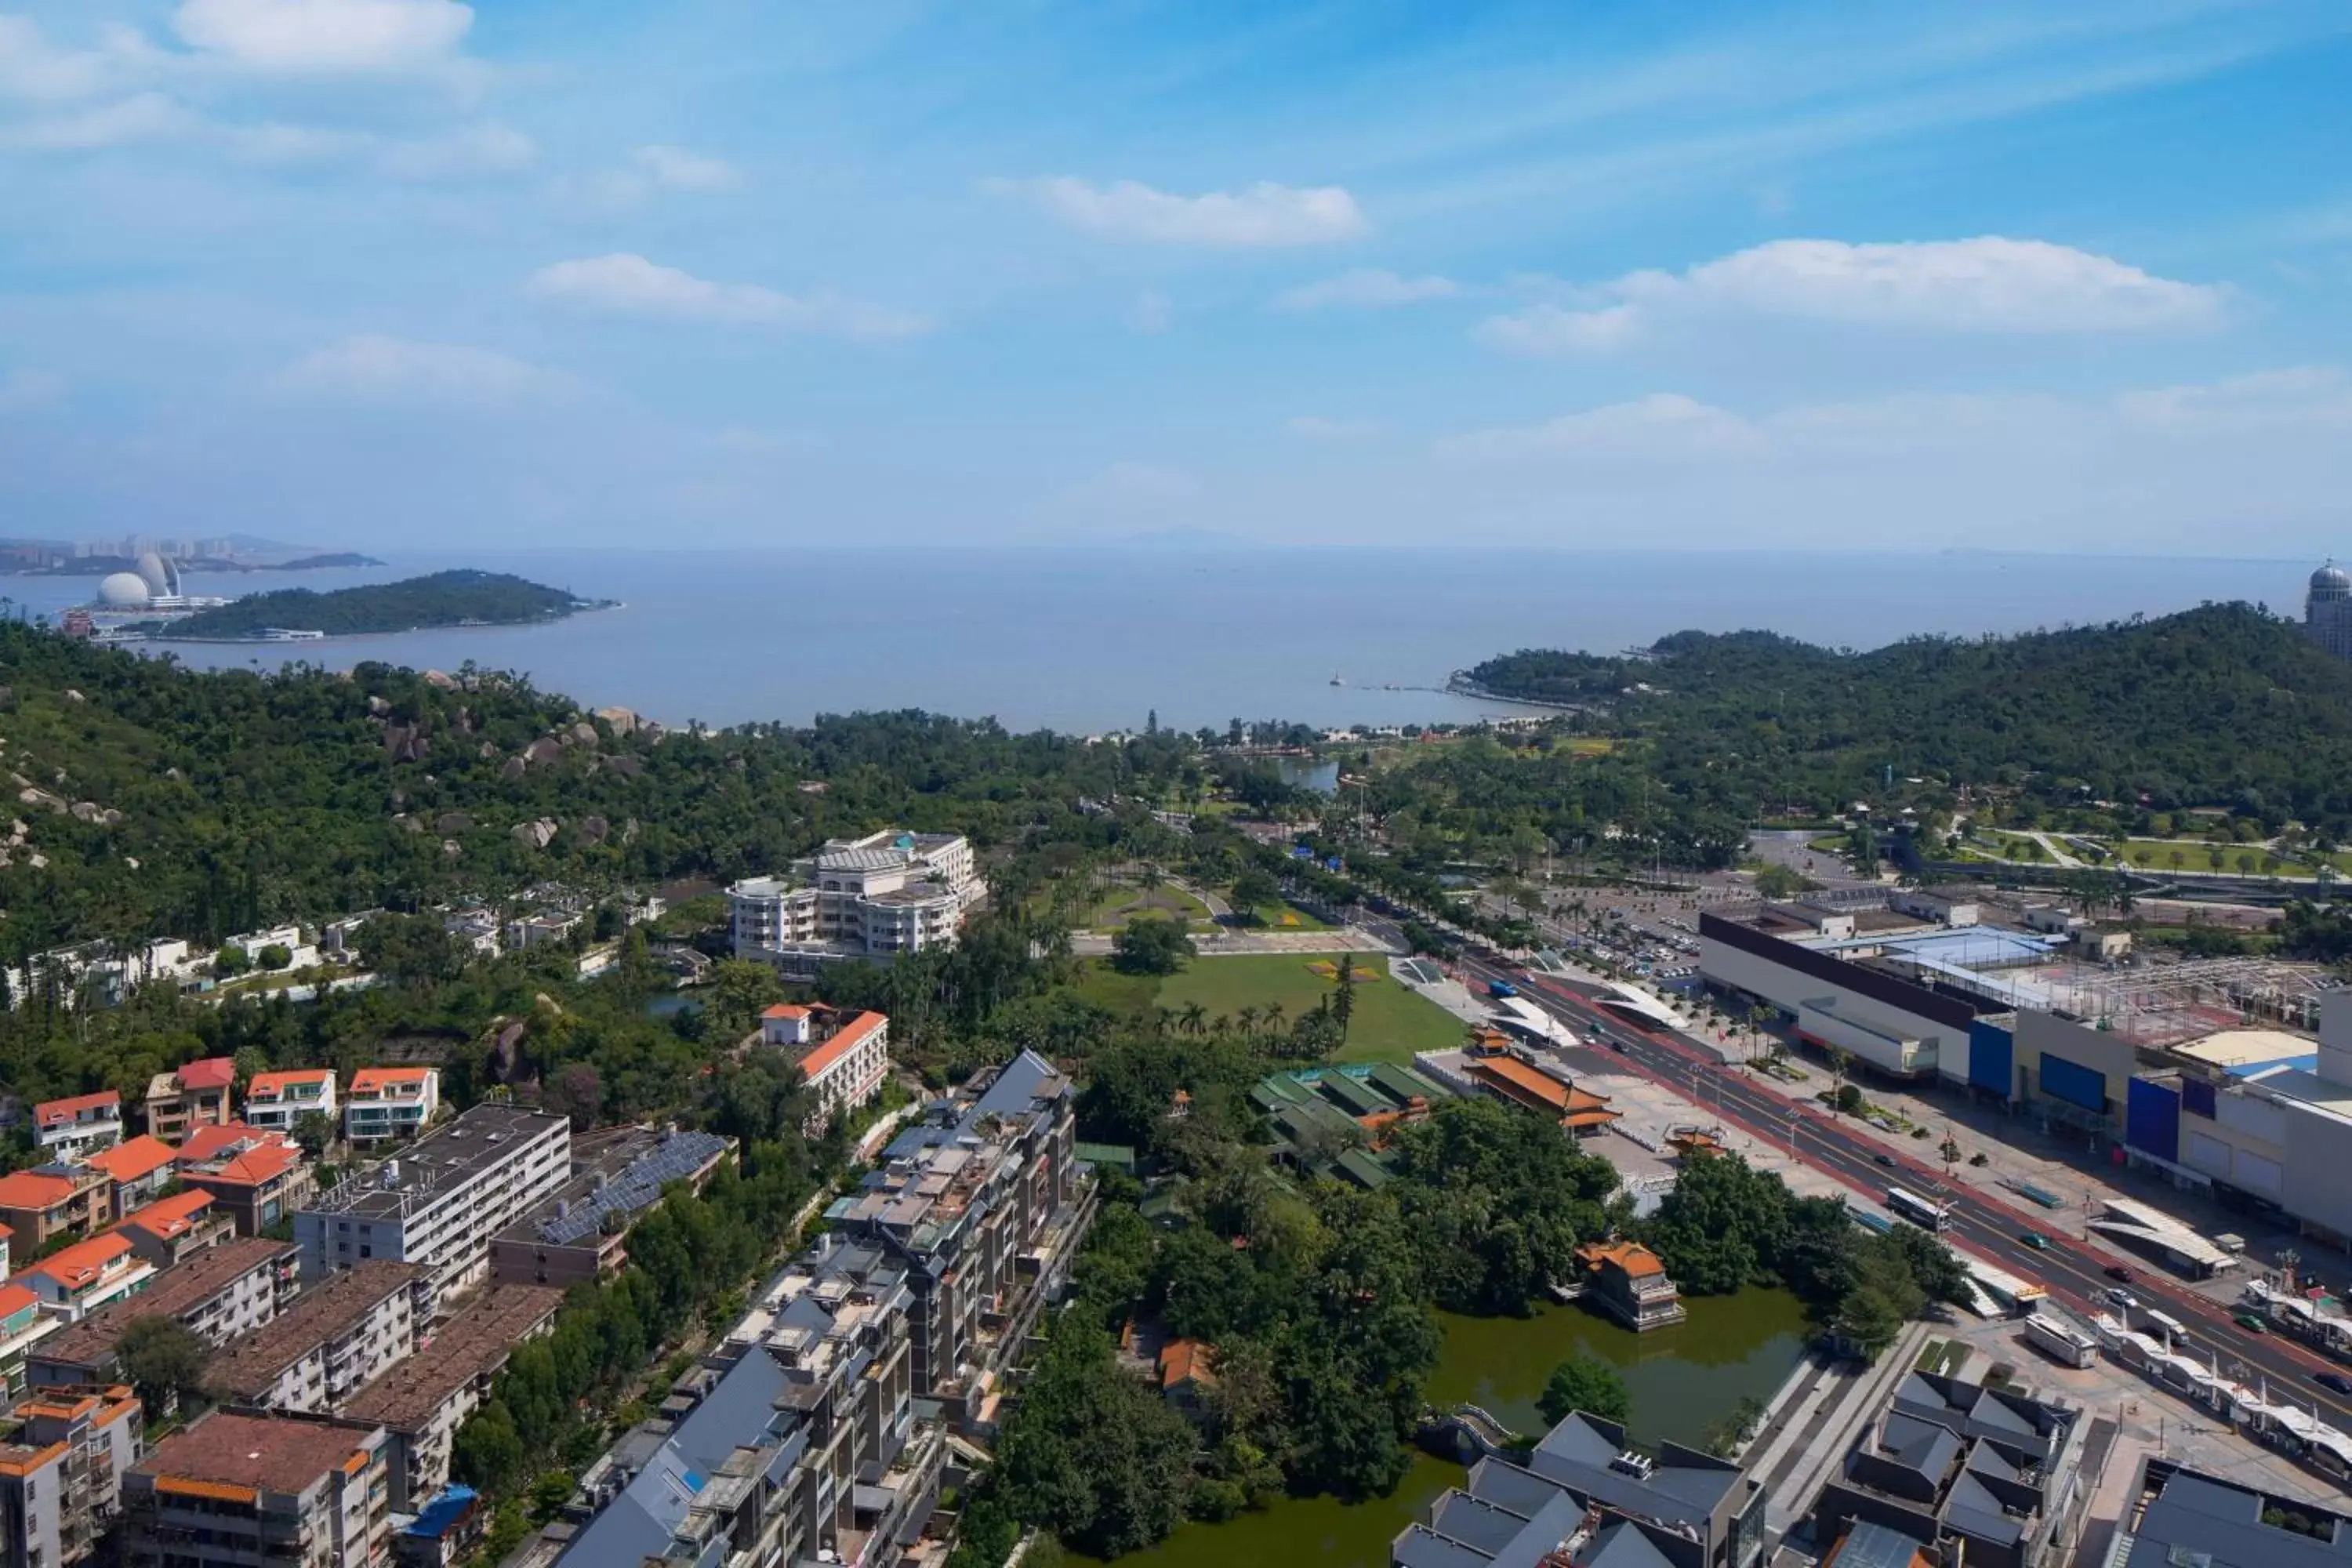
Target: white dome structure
point(124, 591)
point(163, 578)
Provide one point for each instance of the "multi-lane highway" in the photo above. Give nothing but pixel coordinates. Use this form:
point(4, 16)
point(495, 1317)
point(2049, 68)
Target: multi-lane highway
point(1978, 1224)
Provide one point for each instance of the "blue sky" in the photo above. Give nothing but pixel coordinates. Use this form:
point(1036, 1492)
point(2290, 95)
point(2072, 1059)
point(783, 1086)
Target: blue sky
point(731, 271)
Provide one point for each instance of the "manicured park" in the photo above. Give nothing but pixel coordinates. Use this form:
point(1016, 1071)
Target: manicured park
point(1392, 1022)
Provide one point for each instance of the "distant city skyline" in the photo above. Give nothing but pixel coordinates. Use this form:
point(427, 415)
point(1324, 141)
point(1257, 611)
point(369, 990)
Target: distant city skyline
point(416, 273)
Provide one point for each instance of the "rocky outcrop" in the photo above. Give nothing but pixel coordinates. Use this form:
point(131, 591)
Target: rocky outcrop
point(539, 834)
point(452, 822)
point(590, 830)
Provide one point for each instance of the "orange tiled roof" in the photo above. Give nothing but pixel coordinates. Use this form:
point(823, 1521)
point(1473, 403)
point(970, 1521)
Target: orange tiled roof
point(846, 1039)
point(142, 1156)
point(254, 1166)
point(786, 1010)
point(57, 1112)
point(1185, 1360)
point(1635, 1258)
point(32, 1190)
point(270, 1085)
point(171, 1217)
point(83, 1263)
point(369, 1080)
point(14, 1299)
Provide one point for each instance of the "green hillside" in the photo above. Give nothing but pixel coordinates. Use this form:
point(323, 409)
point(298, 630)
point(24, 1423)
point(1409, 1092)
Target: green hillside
point(2222, 705)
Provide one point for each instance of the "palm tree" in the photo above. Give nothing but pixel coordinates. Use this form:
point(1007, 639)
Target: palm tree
point(1273, 1018)
point(1247, 1018)
point(1195, 1017)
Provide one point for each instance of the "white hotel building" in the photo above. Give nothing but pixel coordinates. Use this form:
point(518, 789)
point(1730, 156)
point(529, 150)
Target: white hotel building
point(872, 898)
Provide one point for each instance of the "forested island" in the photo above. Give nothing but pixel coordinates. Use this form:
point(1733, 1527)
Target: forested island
point(461, 598)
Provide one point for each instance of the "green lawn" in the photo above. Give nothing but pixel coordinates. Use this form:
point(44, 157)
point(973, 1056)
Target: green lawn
point(2196, 854)
point(1118, 905)
point(1391, 1023)
point(1287, 917)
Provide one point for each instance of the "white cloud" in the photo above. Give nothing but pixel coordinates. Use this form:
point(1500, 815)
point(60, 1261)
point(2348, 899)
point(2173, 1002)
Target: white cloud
point(680, 170)
point(1368, 289)
point(1261, 215)
point(326, 38)
point(628, 285)
point(23, 391)
point(1985, 285)
point(145, 117)
point(2304, 396)
point(1544, 330)
point(376, 368)
point(484, 151)
point(1664, 425)
point(35, 71)
point(1316, 427)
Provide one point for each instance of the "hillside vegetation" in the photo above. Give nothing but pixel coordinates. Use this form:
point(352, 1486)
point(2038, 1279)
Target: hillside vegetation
point(2223, 705)
point(442, 599)
point(162, 801)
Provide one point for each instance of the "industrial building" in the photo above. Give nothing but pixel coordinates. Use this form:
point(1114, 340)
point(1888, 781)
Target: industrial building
point(873, 897)
point(442, 1199)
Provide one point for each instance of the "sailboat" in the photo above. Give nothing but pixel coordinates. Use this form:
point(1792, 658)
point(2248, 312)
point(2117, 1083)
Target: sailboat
point(1336, 680)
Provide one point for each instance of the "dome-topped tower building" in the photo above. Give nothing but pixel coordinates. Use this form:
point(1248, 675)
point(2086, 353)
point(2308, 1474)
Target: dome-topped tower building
point(2327, 610)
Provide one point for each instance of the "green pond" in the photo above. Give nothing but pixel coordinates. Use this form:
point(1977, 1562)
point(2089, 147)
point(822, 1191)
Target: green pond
point(1681, 1381)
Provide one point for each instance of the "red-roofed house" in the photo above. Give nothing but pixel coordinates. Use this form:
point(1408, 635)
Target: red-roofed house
point(274, 1100)
point(140, 1170)
point(87, 1276)
point(257, 1179)
point(198, 1095)
point(385, 1103)
point(785, 1023)
point(171, 1230)
point(846, 1057)
point(41, 1205)
point(71, 1128)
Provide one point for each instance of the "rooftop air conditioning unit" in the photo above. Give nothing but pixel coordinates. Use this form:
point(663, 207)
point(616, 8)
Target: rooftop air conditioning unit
point(1637, 1466)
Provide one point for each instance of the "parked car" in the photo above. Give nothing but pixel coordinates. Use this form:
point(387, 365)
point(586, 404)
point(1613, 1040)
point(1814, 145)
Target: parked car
point(2251, 1323)
point(2121, 1271)
point(2035, 1239)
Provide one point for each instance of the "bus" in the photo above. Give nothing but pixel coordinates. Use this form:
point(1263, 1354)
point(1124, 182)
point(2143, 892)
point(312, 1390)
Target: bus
point(1916, 1209)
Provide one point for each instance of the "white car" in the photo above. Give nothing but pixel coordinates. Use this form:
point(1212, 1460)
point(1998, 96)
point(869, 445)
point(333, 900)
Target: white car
point(2122, 1298)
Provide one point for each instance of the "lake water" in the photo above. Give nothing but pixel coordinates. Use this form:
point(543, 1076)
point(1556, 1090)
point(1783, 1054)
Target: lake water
point(1090, 641)
point(1681, 1381)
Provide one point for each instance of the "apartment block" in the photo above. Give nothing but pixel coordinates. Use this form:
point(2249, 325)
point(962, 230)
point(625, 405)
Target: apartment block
point(76, 1280)
point(196, 1095)
point(877, 896)
point(24, 1328)
point(334, 1339)
point(801, 1439)
point(422, 1401)
point(844, 1056)
point(388, 1103)
point(81, 1125)
point(983, 1201)
point(140, 1169)
point(275, 1100)
point(256, 1177)
point(50, 1201)
point(439, 1202)
point(581, 1232)
point(223, 1296)
point(62, 1457)
point(234, 1490)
